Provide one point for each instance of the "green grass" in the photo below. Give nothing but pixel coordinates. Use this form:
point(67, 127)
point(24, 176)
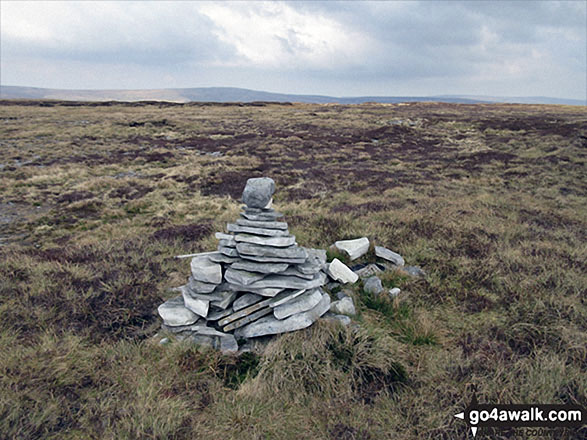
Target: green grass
point(490, 200)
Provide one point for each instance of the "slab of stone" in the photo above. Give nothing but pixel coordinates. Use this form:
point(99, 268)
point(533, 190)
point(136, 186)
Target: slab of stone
point(414, 271)
point(232, 227)
point(261, 224)
point(258, 192)
point(242, 277)
point(216, 314)
point(205, 270)
point(226, 301)
point(226, 342)
point(214, 296)
point(394, 292)
point(270, 291)
point(288, 282)
point(200, 287)
point(271, 325)
point(340, 319)
point(368, 271)
point(353, 248)
point(389, 255)
point(282, 241)
point(262, 259)
point(252, 266)
point(303, 303)
point(292, 252)
point(262, 216)
point(228, 251)
point(344, 306)
point(198, 306)
point(294, 272)
point(373, 286)
point(339, 271)
point(286, 296)
point(227, 243)
point(223, 236)
point(174, 313)
point(182, 328)
point(246, 300)
point(247, 319)
point(316, 258)
point(218, 257)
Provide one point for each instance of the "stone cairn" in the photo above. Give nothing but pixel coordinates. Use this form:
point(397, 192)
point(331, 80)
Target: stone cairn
point(259, 282)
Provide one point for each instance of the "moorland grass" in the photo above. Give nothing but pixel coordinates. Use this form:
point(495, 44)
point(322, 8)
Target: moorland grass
point(95, 200)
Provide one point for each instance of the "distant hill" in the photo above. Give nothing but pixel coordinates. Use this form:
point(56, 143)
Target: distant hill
point(234, 94)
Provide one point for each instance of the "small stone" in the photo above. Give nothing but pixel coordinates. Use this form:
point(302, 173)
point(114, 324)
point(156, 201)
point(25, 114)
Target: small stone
point(226, 301)
point(292, 252)
point(198, 306)
point(223, 236)
point(284, 297)
point(242, 277)
point(218, 257)
point(246, 300)
point(175, 313)
point(414, 271)
point(258, 192)
point(344, 306)
point(251, 266)
point(340, 319)
point(216, 314)
point(368, 271)
point(164, 341)
point(354, 248)
point(231, 227)
point(200, 287)
point(303, 303)
point(263, 225)
point(228, 251)
point(205, 270)
point(342, 294)
point(394, 292)
point(283, 241)
point(227, 243)
point(339, 271)
point(225, 342)
point(388, 255)
point(332, 285)
point(265, 259)
point(373, 285)
point(294, 272)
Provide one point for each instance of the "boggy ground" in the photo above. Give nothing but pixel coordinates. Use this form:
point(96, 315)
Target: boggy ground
point(96, 199)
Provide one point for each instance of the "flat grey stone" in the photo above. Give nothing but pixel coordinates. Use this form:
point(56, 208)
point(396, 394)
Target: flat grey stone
point(204, 296)
point(198, 306)
point(342, 294)
point(227, 243)
point(262, 259)
point(164, 341)
point(182, 328)
point(231, 227)
point(225, 342)
point(242, 277)
point(200, 287)
point(223, 236)
point(294, 272)
point(216, 314)
point(226, 301)
point(203, 340)
point(394, 292)
point(270, 325)
point(262, 216)
point(388, 255)
point(286, 296)
point(258, 192)
point(373, 285)
point(414, 271)
point(344, 306)
point(247, 319)
point(218, 257)
point(339, 271)
point(251, 266)
point(225, 239)
point(261, 224)
point(288, 282)
point(303, 303)
point(332, 285)
point(228, 251)
point(269, 291)
point(246, 300)
point(353, 248)
point(292, 252)
point(313, 264)
point(340, 319)
point(283, 241)
point(175, 313)
point(205, 270)
point(368, 271)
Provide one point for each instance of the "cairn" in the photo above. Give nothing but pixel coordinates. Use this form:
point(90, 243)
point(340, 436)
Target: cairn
point(259, 282)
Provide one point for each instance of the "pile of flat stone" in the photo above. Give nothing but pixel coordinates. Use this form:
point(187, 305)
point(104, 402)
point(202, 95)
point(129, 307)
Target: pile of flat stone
point(259, 282)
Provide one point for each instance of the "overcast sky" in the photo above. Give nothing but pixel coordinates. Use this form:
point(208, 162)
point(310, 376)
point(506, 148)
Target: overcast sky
point(350, 48)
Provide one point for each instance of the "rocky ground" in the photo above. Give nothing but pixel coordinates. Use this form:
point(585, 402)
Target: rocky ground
point(484, 203)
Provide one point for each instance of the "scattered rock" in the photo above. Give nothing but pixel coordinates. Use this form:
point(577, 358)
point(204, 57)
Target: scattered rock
point(373, 285)
point(344, 306)
point(368, 270)
point(414, 271)
point(339, 271)
point(353, 248)
point(389, 255)
point(394, 292)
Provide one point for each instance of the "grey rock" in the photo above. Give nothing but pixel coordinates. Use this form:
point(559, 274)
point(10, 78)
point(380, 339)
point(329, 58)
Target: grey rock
point(270, 325)
point(205, 270)
point(203, 296)
point(342, 294)
point(344, 306)
point(228, 251)
point(303, 303)
point(373, 285)
point(242, 277)
point(394, 292)
point(414, 271)
point(223, 341)
point(164, 341)
point(269, 291)
point(339, 271)
point(246, 300)
point(283, 241)
point(261, 224)
point(218, 257)
point(368, 271)
point(258, 192)
point(231, 227)
point(225, 238)
point(262, 216)
point(264, 259)
point(198, 306)
point(389, 255)
point(227, 243)
point(182, 328)
point(340, 319)
point(292, 252)
point(247, 319)
point(200, 287)
point(226, 301)
point(251, 266)
point(287, 282)
point(215, 314)
point(294, 272)
point(353, 248)
point(316, 258)
point(332, 285)
point(175, 313)
point(203, 340)
point(286, 296)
